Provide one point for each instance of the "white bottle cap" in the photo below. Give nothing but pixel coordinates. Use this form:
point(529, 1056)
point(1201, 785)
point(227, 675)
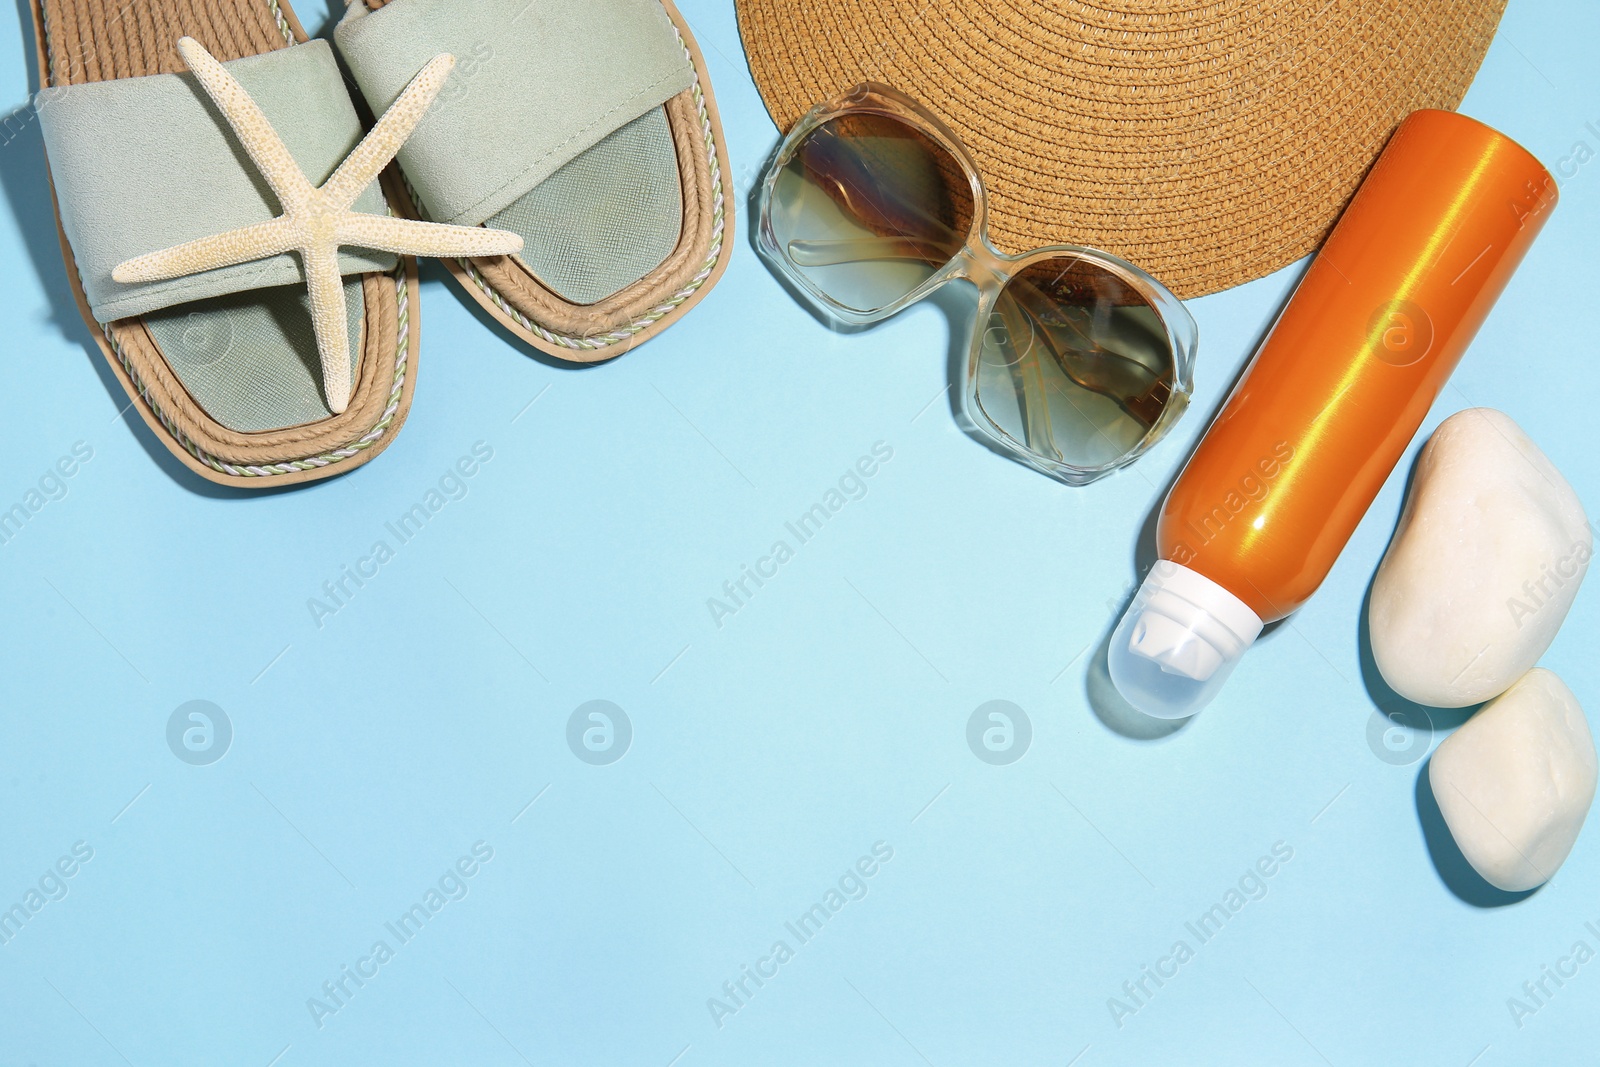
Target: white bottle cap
point(1180, 639)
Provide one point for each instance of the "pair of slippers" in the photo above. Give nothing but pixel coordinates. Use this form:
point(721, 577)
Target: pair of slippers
point(585, 128)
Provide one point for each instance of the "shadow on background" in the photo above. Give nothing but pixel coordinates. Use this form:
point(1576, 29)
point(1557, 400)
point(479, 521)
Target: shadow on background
point(1388, 701)
point(1402, 711)
point(25, 177)
point(1452, 866)
point(1454, 870)
point(1115, 713)
point(1108, 705)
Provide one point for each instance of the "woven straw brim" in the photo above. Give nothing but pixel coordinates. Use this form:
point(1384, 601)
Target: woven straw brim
point(1209, 143)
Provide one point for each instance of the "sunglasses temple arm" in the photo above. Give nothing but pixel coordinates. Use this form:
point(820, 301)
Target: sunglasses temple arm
point(865, 250)
point(1127, 396)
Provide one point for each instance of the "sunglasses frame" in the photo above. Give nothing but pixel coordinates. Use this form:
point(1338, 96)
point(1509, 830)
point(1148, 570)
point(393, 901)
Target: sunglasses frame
point(989, 269)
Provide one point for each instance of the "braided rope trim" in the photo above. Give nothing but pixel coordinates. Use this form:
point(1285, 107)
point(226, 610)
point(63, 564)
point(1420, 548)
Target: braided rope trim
point(598, 342)
point(322, 460)
point(283, 23)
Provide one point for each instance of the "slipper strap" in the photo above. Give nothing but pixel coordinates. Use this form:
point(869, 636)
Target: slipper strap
point(536, 84)
point(143, 164)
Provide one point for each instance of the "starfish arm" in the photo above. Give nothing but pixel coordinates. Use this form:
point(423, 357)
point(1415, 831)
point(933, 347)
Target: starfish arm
point(244, 245)
point(249, 123)
point(328, 319)
point(412, 238)
point(377, 148)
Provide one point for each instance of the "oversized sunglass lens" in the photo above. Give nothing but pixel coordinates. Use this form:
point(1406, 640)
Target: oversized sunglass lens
point(869, 208)
point(1075, 366)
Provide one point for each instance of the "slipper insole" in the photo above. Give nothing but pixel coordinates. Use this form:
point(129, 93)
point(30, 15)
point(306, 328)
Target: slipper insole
point(250, 359)
point(606, 219)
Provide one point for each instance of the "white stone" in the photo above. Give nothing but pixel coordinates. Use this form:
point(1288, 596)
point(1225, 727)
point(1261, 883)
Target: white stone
point(1488, 556)
point(1516, 781)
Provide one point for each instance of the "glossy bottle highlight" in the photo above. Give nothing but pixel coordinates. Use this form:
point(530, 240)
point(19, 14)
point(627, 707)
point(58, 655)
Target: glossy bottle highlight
point(1329, 403)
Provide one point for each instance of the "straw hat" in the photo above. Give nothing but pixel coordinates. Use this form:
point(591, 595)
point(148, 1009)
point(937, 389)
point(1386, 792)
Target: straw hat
point(1208, 141)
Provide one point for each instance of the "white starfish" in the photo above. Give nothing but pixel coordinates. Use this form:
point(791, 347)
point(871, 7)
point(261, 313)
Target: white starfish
point(316, 222)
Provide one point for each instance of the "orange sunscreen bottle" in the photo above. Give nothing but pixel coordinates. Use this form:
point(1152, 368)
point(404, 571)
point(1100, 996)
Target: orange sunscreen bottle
point(1330, 402)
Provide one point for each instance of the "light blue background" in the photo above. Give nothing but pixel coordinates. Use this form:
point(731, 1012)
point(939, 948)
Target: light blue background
point(767, 755)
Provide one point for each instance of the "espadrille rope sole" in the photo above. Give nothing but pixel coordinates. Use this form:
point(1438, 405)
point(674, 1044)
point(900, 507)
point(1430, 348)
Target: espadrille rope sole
point(309, 463)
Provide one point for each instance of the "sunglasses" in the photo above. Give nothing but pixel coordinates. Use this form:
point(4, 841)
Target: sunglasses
point(1080, 361)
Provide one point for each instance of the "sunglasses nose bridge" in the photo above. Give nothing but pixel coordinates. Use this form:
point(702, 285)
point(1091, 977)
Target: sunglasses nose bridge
point(986, 268)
